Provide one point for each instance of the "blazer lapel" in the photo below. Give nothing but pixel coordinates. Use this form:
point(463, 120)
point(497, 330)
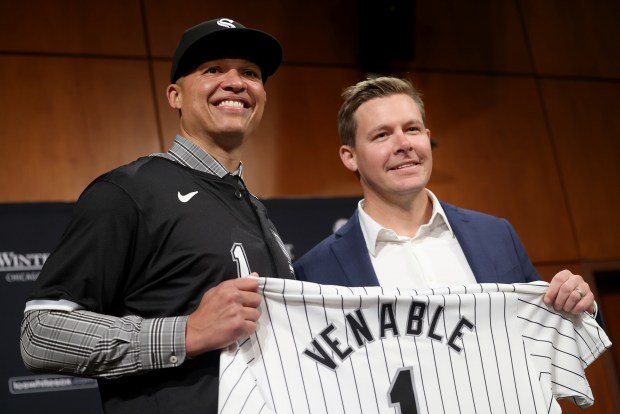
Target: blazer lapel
point(352, 255)
point(472, 244)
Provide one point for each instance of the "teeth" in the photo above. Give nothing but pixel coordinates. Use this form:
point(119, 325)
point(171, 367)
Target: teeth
point(405, 166)
point(236, 104)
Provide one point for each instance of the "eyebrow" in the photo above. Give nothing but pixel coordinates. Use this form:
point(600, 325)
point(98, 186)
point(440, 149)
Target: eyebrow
point(413, 121)
point(378, 128)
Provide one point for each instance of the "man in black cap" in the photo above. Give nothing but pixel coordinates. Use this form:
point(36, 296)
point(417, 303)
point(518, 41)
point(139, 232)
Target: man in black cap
point(148, 279)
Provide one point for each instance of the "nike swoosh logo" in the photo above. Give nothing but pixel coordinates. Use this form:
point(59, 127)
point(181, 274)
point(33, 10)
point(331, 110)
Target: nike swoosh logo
point(185, 198)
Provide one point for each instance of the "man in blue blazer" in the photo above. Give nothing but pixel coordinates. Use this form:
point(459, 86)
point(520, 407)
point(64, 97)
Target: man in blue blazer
point(401, 235)
point(343, 259)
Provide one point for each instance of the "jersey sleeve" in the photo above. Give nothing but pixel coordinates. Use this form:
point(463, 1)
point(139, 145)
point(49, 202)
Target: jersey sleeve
point(90, 268)
point(560, 347)
point(91, 264)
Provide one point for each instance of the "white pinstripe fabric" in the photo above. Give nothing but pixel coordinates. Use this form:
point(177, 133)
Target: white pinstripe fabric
point(517, 356)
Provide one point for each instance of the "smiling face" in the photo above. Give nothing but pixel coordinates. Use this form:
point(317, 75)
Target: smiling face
point(392, 151)
point(221, 102)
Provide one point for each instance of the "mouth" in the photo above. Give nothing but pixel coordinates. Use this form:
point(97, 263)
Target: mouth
point(405, 165)
point(229, 103)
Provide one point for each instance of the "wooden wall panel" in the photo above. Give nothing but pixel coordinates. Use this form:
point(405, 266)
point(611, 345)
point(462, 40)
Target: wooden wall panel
point(301, 125)
point(480, 35)
point(168, 117)
point(112, 27)
point(578, 37)
point(547, 271)
point(321, 32)
point(586, 127)
point(494, 155)
point(484, 36)
point(68, 120)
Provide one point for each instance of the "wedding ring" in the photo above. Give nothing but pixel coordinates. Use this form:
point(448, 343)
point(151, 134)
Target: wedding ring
point(580, 292)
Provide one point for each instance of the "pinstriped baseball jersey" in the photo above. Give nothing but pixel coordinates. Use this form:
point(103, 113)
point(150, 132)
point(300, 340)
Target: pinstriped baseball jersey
point(485, 348)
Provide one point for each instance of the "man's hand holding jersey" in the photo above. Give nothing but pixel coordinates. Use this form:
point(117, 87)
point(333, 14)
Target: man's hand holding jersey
point(570, 293)
point(226, 313)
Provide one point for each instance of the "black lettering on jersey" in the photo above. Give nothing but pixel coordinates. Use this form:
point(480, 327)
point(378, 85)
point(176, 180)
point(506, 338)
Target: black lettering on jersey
point(323, 359)
point(415, 319)
point(457, 333)
point(360, 330)
point(333, 343)
point(359, 326)
point(431, 329)
point(388, 321)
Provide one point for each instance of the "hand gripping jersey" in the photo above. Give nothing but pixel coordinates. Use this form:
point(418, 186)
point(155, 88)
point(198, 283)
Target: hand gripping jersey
point(485, 348)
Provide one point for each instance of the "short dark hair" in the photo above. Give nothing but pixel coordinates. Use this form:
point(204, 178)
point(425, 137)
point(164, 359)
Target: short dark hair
point(354, 96)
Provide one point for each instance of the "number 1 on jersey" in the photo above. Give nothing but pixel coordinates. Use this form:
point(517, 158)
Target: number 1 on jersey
point(401, 394)
point(239, 257)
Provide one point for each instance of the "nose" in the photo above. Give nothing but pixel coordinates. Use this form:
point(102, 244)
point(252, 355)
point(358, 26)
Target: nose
point(233, 81)
point(403, 142)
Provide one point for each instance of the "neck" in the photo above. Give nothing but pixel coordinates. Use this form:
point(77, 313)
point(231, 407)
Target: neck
point(226, 149)
point(405, 217)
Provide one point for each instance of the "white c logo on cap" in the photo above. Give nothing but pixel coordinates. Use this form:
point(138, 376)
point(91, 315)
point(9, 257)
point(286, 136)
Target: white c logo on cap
point(226, 23)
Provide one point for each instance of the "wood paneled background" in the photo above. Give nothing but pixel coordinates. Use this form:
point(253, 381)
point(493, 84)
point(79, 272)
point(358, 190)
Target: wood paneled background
point(521, 95)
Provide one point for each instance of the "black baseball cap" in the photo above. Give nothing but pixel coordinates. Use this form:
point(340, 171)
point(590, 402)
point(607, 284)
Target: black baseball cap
point(225, 38)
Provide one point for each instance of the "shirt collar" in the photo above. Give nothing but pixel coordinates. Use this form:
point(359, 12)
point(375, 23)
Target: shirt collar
point(374, 232)
point(438, 212)
point(191, 155)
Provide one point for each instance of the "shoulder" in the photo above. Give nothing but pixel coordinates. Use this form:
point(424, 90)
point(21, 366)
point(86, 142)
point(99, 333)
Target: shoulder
point(123, 187)
point(145, 175)
point(317, 253)
point(490, 227)
point(495, 231)
point(456, 215)
point(322, 253)
point(140, 171)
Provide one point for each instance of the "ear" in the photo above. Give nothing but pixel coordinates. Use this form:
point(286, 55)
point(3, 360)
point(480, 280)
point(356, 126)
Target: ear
point(174, 95)
point(347, 156)
point(428, 138)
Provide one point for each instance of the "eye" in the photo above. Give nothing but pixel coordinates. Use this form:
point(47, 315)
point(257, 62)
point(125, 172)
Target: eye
point(212, 69)
point(380, 135)
point(251, 73)
point(414, 129)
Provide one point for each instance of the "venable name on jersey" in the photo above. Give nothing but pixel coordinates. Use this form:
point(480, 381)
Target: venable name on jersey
point(360, 330)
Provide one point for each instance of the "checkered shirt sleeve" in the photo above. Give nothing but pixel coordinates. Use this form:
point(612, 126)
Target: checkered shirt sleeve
point(89, 344)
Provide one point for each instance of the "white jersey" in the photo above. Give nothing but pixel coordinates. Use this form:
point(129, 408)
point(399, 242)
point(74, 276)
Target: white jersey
point(484, 348)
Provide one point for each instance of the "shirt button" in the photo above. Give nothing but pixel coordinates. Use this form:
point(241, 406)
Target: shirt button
point(238, 194)
point(174, 359)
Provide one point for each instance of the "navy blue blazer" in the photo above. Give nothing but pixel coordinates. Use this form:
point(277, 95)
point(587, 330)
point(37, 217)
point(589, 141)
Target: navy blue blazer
point(491, 246)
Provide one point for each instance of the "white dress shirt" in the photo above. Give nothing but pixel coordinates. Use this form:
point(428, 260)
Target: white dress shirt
point(432, 258)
